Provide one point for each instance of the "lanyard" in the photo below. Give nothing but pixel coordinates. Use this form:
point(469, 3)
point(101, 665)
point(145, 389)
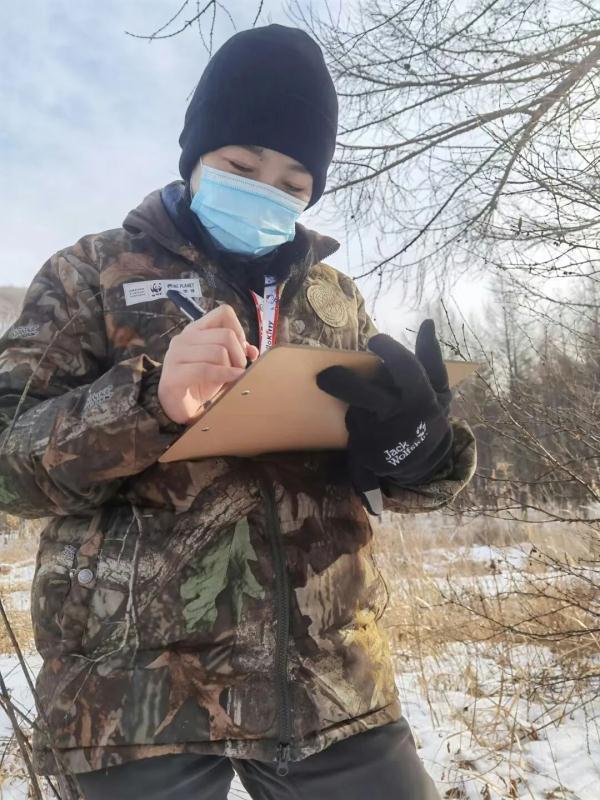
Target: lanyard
point(267, 311)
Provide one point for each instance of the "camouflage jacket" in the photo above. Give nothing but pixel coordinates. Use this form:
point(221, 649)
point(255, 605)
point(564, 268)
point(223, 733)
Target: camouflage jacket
point(225, 606)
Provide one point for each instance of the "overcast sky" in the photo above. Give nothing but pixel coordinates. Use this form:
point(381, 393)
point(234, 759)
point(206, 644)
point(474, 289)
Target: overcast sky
point(91, 119)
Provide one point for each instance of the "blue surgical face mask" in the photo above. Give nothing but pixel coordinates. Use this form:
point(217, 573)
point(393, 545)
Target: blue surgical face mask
point(245, 216)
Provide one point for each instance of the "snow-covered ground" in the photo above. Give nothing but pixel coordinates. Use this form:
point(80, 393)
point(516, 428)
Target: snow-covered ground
point(479, 733)
point(519, 747)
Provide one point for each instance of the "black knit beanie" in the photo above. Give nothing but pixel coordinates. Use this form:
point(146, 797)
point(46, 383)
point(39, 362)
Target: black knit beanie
point(268, 87)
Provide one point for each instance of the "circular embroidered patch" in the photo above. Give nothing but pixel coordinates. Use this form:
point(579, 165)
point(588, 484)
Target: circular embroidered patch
point(328, 304)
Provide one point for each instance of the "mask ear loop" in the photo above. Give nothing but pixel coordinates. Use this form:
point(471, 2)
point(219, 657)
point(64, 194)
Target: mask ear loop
point(191, 192)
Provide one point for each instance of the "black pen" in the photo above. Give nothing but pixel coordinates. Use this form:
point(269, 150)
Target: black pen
point(190, 309)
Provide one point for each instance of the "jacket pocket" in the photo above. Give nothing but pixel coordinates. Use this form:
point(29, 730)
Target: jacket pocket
point(63, 583)
point(66, 584)
point(50, 587)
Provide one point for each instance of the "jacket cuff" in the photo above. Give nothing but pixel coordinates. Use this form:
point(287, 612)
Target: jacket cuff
point(149, 400)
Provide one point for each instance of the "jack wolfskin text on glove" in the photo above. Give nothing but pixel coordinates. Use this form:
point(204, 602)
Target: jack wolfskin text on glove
point(397, 421)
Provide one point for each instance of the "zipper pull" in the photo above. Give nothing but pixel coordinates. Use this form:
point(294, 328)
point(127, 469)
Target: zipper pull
point(283, 756)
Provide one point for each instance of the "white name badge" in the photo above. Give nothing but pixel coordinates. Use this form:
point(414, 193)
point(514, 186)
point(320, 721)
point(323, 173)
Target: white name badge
point(142, 291)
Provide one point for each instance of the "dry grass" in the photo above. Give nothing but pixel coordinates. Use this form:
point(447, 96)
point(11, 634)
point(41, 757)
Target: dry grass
point(483, 580)
point(18, 548)
point(18, 540)
point(494, 624)
point(21, 625)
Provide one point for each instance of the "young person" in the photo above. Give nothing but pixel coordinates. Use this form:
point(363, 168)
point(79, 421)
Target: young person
point(195, 615)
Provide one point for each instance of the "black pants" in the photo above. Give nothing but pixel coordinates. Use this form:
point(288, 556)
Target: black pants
point(380, 764)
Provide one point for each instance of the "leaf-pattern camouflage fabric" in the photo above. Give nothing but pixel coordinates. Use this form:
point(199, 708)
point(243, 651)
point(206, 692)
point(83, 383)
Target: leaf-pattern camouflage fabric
point(155, 598)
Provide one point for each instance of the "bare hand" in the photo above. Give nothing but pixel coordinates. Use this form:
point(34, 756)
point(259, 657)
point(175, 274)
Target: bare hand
point(205, 356)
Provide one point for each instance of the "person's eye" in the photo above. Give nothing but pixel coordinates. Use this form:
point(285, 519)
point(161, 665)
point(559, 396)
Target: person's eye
point(240, 167)
point(293, 189)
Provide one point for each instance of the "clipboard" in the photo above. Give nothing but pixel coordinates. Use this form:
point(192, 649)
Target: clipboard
point(277, 406)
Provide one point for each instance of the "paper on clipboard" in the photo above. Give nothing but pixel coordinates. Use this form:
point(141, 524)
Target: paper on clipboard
point(277, 406)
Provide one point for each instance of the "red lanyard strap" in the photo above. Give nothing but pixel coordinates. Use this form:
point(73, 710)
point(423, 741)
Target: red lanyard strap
point(267, 311)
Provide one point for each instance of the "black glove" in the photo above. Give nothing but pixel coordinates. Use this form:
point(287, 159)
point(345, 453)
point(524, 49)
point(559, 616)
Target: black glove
point(397, 421)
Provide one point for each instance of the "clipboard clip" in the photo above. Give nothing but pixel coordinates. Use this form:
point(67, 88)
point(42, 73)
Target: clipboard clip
point(367, 485)
point(373, 501)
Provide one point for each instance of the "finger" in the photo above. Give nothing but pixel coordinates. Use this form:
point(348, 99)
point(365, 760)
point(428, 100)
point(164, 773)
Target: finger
point(429, 353)
point(221, 317)
point(206, 354)
point(355, 390)
point(406, 371)
point(251, 352)
point(198, 375)
point(197, 338)
point(224, 375)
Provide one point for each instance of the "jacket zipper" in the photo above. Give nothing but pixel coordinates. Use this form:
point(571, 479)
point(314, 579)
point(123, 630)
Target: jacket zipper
point(282, 594)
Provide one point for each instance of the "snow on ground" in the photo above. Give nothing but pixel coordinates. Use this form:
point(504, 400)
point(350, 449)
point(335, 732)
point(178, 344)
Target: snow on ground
point(14, 573)
point(514, 556)
point(14, 787)
point(557, 754)
point(521, 747)
point(19, 600)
